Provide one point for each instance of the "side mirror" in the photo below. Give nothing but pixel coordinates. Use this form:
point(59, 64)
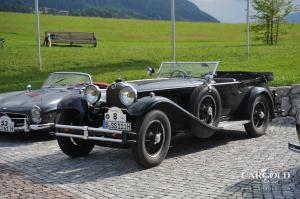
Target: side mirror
point(150, 71)
point(29, 88)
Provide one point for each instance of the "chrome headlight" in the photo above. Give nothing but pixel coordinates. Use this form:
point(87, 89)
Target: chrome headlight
point(36, 115)
point(128, 95)
point(92, 94)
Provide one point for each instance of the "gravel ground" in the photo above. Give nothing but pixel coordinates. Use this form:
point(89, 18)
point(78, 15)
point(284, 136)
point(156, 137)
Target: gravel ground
point(228, 165)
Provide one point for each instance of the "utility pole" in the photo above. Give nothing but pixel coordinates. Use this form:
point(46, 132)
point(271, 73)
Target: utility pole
point(38, 42)
point(248, 30)
point(173, 29)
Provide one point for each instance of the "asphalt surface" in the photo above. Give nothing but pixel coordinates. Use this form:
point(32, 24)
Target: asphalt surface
point(228, 165)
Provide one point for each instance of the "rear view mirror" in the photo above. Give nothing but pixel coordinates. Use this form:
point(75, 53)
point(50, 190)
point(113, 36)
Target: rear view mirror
point(150, 71)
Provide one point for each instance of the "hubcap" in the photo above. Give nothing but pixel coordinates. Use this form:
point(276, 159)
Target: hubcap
point(207, 110)
point(259, 115)
point(155, 137)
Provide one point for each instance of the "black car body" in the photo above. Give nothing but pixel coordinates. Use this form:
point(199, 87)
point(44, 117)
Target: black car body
point(27, 111)
point(296, 147)
point(144, 114)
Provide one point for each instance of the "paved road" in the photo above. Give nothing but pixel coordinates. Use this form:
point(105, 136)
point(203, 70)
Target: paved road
point(228, 165)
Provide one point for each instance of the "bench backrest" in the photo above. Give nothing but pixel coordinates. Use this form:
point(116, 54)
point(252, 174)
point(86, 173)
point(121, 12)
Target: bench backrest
point(72, 36)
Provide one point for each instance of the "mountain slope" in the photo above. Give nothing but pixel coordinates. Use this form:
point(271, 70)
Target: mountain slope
point(144, 9)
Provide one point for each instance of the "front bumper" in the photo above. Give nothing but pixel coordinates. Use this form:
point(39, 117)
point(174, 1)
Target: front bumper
point(294, 147)
point(41, 127)
point(94, 134)
point(33, 127)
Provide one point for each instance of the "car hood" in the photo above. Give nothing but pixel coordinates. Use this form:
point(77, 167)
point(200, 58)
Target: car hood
point(47, 99)
point(162, 84)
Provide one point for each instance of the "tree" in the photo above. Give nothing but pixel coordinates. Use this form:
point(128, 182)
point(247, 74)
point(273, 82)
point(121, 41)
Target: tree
point(269, 16)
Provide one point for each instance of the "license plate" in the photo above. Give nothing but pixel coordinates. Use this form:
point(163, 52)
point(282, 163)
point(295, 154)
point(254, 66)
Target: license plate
point(115, 119)
point(122, 126)
point(6, 125)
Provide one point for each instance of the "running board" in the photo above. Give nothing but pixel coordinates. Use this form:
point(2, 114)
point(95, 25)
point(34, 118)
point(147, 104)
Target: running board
point(228, 124)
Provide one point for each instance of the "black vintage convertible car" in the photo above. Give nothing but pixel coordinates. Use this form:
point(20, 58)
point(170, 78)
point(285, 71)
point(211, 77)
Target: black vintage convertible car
point(144, 114)
point(28, 111)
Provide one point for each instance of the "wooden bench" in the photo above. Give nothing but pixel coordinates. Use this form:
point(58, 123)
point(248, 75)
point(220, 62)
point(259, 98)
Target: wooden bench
point(2, 41)
point(72, 38)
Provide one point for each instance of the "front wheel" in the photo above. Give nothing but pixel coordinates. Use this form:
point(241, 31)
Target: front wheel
point(259, 117)
point(71, 146)
point(154, 136)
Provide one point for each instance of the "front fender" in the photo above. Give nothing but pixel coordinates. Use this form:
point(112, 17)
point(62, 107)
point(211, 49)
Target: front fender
point(255, 92)
point(177, 115)
point(76, 103)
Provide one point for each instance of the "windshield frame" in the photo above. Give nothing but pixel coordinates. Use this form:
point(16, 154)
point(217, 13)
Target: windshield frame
point(67, 73)
point(204, 62)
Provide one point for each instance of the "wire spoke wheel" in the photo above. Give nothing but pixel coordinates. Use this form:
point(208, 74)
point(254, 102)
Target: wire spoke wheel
point(259, 115)
point(207, 110)
point(155, 136)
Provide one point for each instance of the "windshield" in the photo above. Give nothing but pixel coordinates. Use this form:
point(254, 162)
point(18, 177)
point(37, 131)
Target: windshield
point(187, 69)
point(66, 80)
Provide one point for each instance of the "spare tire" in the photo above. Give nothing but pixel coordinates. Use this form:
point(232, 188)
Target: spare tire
point(205, 104)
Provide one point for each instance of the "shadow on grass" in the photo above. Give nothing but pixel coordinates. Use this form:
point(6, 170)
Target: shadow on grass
point(70, 46)
point(103, 163)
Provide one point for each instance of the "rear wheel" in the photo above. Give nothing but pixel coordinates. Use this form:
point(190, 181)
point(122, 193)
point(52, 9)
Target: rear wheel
point(259, 117)
point(71, 146)
point(154, 136)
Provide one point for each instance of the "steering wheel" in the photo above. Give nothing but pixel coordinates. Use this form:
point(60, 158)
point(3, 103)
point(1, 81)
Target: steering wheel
point(180, 73)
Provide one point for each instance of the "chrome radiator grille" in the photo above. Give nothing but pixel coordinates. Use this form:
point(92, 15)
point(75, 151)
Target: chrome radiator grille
point(20, 120)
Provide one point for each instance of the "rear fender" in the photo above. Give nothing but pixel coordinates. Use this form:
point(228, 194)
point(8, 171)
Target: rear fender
point(180, 118)
point(255, 92)
point(74, 103)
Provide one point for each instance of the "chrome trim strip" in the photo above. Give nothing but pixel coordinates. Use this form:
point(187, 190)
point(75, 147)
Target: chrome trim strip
point(189, 86)
point(37, 127)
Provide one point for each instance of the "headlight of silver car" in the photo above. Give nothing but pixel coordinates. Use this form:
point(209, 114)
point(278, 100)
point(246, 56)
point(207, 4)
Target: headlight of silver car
point(128, 95)
point(36, 115)
point(92, 94)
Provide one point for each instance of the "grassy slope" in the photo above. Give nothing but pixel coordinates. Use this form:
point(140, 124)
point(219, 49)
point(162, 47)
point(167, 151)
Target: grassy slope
point(131, 45)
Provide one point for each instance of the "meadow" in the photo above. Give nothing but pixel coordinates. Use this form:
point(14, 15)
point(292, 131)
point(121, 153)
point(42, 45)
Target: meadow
point(132, 45)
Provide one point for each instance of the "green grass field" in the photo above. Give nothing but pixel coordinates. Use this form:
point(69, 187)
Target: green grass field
point(132, 45)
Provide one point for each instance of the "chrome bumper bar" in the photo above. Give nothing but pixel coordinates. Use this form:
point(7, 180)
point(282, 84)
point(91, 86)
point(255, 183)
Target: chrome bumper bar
point(294, 147)
point(40, 127)
point(33, 127)
point(87, 133)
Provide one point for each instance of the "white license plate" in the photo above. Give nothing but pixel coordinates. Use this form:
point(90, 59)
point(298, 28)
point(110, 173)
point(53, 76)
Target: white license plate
point(122, 126)
point(6, 125)
point(115, 119)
